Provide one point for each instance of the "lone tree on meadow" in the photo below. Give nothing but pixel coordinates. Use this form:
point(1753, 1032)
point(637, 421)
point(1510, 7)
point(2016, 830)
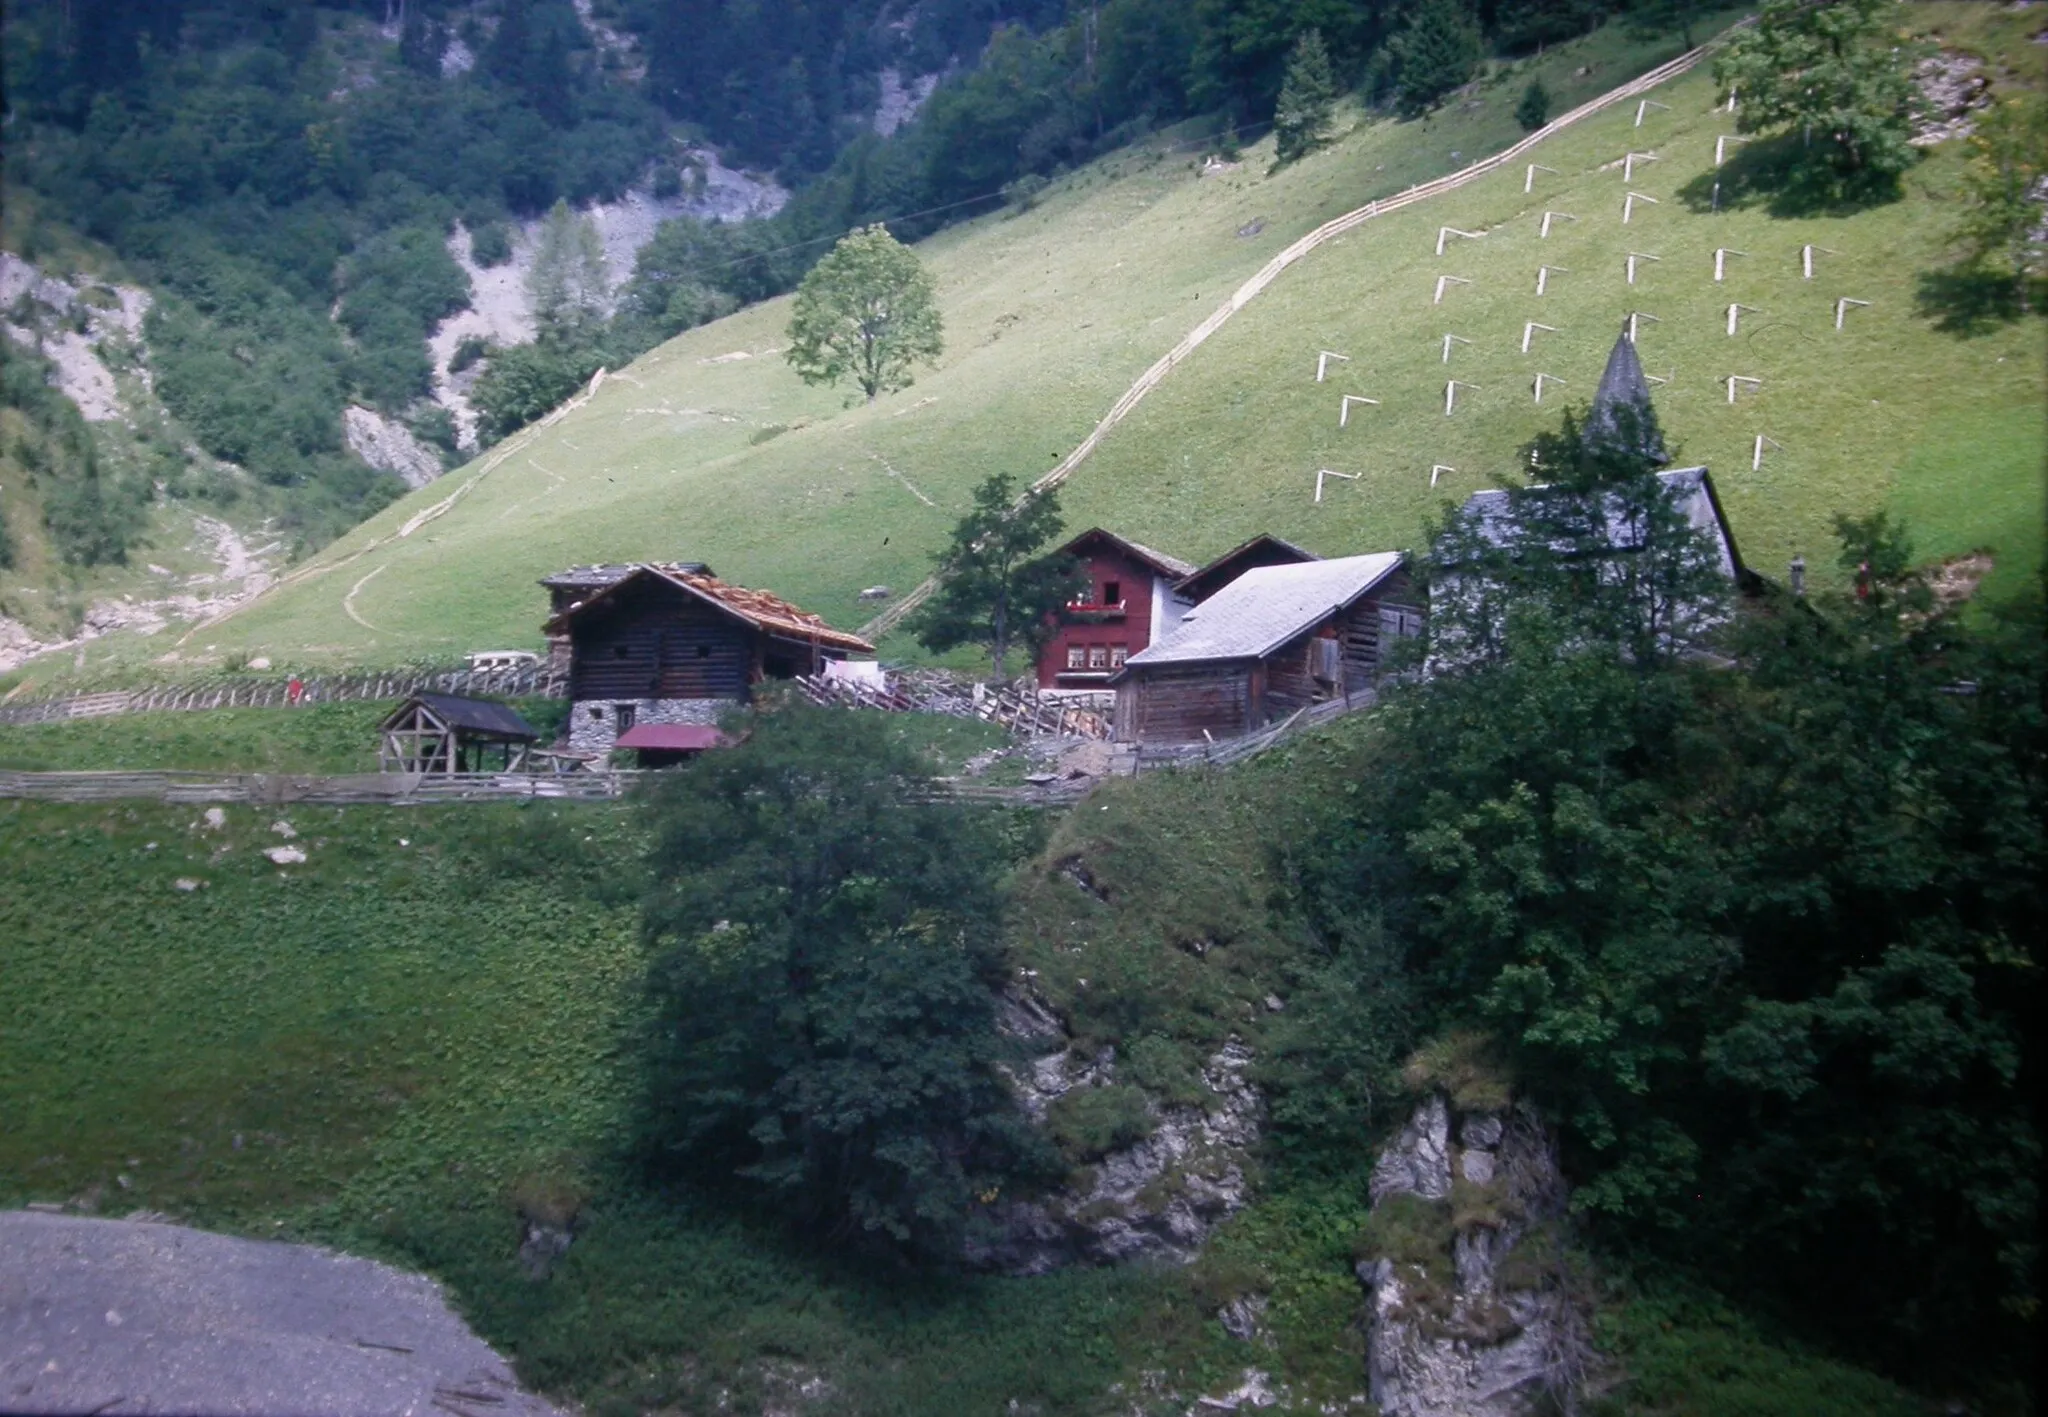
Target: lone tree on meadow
point(868, 311)
point(1434, 53)
point(1837, 78)
point(996, 587)
point(1301, 122)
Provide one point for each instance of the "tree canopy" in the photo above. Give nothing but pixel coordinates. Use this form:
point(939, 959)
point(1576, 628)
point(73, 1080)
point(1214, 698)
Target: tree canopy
point(824, 998)
point(1301, 122)
point(869, 311)
point(1837, 80)
point(997, 585)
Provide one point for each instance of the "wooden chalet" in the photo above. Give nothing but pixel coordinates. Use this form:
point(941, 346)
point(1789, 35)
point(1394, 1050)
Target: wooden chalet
point(1261, 550)
point(1130, 603)
point(1272, 641)
point(441, 733)
point(673, 644)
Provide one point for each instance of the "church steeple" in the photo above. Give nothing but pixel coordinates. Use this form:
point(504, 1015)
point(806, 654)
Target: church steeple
point(1621, 418)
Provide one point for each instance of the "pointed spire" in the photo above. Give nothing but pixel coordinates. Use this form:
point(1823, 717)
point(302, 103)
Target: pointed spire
point(1621, 415)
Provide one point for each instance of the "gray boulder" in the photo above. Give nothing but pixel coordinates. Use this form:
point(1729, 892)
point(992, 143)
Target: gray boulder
point(128, 1316)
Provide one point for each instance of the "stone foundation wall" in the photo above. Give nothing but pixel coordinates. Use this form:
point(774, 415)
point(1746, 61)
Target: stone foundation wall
point(594, 723)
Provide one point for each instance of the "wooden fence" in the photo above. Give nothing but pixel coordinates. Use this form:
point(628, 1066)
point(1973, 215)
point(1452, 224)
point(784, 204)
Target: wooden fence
point(527, 681)
point(413, 789)
point(1026, 714)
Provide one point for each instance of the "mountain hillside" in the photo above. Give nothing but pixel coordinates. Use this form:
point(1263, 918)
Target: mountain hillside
point(709, 447)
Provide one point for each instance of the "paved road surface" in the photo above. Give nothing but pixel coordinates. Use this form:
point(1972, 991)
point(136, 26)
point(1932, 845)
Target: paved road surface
point(127, 1317)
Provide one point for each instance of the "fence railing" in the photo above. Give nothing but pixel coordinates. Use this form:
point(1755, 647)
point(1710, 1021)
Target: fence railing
point(411, 789)
point(523, 682)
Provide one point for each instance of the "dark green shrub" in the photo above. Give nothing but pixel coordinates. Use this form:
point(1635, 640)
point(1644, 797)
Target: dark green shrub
point(1090, 1122)
point(491, 244)
point(1534, 109)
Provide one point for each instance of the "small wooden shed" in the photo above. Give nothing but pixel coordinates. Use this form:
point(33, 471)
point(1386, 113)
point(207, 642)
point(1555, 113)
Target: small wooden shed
point(441, 733)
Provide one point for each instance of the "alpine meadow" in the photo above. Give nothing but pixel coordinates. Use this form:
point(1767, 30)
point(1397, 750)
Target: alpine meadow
point(1094, 708)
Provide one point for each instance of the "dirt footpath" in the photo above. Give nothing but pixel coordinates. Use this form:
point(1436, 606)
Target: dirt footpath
point(130, 1317)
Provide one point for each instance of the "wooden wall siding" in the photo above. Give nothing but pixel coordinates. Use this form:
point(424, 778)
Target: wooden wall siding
point(1174, 705)
point(657, 642)
point(1133, 631)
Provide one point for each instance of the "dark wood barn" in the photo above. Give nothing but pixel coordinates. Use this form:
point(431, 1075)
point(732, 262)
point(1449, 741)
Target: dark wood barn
point(670, 644)
point(441, 733)
point(1272, 641)
point(1262, 550)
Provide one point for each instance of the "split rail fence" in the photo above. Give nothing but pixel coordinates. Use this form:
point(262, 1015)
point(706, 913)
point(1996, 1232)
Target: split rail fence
point(528, 681)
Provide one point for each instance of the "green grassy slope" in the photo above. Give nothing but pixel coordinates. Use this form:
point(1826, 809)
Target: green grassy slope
point(1050, 315)
point(1893, 410)
point(422, 1033)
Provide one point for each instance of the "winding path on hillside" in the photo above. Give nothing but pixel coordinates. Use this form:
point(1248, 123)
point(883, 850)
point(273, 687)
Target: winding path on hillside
point(1151, 379)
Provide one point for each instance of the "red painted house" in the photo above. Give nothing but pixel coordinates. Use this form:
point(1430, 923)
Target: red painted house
point(1129, 603)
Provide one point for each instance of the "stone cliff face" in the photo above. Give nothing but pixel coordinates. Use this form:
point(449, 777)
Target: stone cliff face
point(1157, 1198)
point(1470, 1311)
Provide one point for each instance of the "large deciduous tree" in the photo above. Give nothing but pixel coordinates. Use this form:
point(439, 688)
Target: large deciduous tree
point(823, 1026)
point(1838, 77)
point(997, 586)
point(869, 311)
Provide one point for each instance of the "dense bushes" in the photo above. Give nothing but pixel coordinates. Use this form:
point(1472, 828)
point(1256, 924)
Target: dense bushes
point(1754, 936)
point(93, 515)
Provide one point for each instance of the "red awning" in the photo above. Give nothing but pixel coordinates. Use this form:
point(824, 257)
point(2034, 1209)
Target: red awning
point(672, 737)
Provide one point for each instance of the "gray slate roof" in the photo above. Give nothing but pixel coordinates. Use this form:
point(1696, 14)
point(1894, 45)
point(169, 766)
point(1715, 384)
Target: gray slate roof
point(1263, 609)
point(475, 716)
point(1622, 385)
point(1692, 488)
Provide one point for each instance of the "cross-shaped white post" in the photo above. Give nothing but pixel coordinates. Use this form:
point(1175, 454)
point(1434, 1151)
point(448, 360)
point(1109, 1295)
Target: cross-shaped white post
point(1543, 275)
point(1628, 205)
point(1635, 315)
point(1645, 106)
point(1451, 394)
point(1443, 233)
point(1721, 146)
point(1629, 161)
point(1437, 470)
point(1450, 340)
point(1323, 362)
point(1324, 472)
point(1806, 259)
point(1539, 384)
point(1735, 313)
point(1756, 461)
point(1344, 408)
point(1662, 378)
point(1529, 181)
point(1731, 98)
point(1548, 217)
point(1721, 255)
point(1734, 379)
point(1635, 256)
point(1842, 308)
point(1529, 330)
point(1442, 281)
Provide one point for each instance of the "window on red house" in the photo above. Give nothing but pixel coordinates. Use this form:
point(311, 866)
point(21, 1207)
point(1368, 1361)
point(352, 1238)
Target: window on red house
point(1112, 592)
point(1077, 657)
point(1116, 656)
point(1098, 656)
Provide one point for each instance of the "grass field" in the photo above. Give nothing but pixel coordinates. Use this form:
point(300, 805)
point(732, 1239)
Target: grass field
point(688, 453)
point(338, 738)
point(424, 1033)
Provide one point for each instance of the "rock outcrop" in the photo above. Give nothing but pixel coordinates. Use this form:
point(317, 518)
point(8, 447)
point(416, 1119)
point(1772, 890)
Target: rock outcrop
point(1155, 1199)
point(1470, 1310)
